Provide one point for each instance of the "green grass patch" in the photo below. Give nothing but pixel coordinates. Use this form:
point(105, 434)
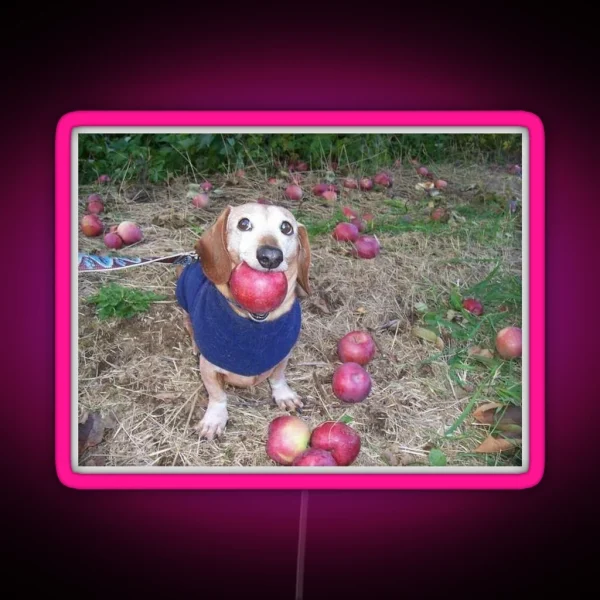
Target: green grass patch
point(115, 301)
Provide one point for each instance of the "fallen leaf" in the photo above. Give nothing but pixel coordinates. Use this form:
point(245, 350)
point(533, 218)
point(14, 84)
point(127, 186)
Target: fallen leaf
point(421, 307)
point(425, 185)
point(346, 419)
point(437, 458)
point(361, 310)
point(321, 305)
point(428, 335)
point(91, 432)
point(168, 396)
point(510, 419)
point(491, 445)
point(451, 315)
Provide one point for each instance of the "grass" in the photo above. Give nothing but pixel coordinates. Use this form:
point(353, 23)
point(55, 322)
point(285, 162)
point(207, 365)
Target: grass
point(140, 368)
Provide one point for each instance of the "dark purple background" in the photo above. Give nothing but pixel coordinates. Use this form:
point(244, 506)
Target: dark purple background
point(104, 542)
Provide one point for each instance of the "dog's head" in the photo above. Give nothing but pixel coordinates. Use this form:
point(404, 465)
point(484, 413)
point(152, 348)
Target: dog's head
point(265, 237)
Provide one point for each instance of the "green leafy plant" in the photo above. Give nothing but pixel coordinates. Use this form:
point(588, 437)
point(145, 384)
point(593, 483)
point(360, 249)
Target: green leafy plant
point(115, 301)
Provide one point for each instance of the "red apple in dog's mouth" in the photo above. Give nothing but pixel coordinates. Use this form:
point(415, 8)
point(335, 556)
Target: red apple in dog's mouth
point(259, 292)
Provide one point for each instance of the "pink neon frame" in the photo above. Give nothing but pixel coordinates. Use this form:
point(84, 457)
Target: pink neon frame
point(278, 480)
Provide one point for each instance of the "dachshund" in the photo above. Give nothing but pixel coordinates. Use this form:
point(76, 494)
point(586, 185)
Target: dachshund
point(237, 347)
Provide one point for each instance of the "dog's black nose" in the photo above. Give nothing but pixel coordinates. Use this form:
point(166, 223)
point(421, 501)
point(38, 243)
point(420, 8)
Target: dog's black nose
point(269, 257)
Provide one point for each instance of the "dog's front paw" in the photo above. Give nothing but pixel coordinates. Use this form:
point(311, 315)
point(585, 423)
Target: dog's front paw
point(214, 421)
point(286, 398)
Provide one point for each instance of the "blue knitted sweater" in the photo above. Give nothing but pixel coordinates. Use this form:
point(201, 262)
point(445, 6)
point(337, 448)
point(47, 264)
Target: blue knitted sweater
point(226, 339)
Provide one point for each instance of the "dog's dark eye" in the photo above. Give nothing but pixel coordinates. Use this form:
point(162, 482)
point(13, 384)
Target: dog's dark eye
point(286, 228)
point(245, 225)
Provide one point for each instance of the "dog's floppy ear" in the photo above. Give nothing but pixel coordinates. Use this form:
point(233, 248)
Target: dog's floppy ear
point(303, 259)
point(211, 247)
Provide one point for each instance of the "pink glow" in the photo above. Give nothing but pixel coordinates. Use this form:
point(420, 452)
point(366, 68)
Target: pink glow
point(300, 480)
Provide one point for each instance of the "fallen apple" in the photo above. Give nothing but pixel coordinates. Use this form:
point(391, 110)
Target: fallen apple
point(95, 206)
point(356, 346)
point(129, 232)
point(207, 186)
point(293, 192)
point(383, 179)
point(319, 189)
point(201, 200)
point(423, 171)
point(113, 240)
point(330, 196)
point(439, 214)
point(315, 457)
point(350, 183)
point(366, 246)
point(91, 225)
point(368, 217)
point(104, 179)
point(287, 437)
point(366, 184)
point(360, 224)
point(348, 212)
point(509, 342)
point(345, 232)
point(473, 306)
point(272, 181)
point(259, 292)
point(351, 383)
point(441, 184)
point(338, 438)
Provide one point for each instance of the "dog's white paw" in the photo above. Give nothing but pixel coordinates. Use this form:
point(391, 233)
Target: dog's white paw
point(214, 421)
point(286, 398)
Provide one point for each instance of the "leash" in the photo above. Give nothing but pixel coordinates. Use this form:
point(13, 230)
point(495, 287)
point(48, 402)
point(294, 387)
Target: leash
point(97, 262)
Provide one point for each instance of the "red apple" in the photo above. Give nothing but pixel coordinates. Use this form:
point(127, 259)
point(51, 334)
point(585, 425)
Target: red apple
point(272, 181)
point(288, 436)
point(440, 184)
point(360, 224)
point(350, 183)
point(423, 171)
point(348, 212)
point(207, 186)
point(113, 240)
point(368, 217)
point(366, 184)
point(129, 232)
point(95, 207)
point(366, 246)
point(301, 166)
point(319, 189)
point(104, 179)
point(259, 292)
point(293, 192)
point(338, 438)
point(330, 196)
point(351, 383)
point(509, 342)
point(383, 179)
point(201, 200)
point(314, 457)
point(356, 346)
point(345, 232)
point(439, 214)
point(473, 306)
point(91, 225)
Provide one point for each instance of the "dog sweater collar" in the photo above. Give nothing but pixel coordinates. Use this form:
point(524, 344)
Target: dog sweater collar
point(226, 339)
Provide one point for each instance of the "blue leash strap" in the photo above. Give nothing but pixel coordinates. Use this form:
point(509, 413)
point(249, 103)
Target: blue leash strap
point(97, 262)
